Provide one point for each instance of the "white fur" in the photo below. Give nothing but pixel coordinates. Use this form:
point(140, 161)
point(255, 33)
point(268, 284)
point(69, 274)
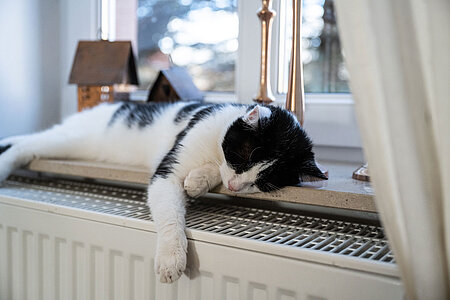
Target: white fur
point(201, 180)
point(244, 182)
point(166, 201)
point(87, 136)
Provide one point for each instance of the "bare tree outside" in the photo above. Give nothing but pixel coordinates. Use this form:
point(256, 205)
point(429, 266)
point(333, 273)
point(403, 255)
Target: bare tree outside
point(323, 65)
point(202, 36)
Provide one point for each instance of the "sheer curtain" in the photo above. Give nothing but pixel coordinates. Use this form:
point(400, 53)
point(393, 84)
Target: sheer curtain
point(397, 53)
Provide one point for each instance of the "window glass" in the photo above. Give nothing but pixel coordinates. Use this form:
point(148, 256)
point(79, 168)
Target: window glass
point(323, 66)
point(201, 36)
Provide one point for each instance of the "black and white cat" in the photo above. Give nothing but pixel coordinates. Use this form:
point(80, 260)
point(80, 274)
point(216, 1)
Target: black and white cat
point(189, 147)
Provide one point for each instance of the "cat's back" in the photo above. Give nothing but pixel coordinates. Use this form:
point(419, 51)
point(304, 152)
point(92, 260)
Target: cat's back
point(142, 133)
point(146, 115)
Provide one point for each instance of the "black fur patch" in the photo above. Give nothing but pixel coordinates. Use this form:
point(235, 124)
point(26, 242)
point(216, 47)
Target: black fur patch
point(186, 111)
point(141, 115)
point(166, 165)
point(121, 111)
point(4, 148)
point(278, 138)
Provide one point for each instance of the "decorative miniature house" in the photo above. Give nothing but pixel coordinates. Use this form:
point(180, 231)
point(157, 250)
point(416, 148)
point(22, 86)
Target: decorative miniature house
point(100, 68)
point(174, 84)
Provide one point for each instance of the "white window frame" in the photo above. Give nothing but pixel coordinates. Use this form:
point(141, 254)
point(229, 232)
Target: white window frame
point(329, 119)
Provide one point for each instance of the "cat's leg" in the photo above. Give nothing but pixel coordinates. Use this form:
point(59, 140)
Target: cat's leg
point(12, 140)
point(7, 143)
point(18, 151)
point(201, 180)
point(166, 200)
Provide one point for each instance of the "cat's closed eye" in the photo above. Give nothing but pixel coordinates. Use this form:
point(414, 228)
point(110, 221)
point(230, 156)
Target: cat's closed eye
point(257, 154)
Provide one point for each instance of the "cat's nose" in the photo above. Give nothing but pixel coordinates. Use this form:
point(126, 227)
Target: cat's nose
point(232, 187)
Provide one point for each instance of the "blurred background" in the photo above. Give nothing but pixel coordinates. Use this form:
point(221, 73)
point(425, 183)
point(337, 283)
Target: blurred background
point(203, 37)
point(217, 41)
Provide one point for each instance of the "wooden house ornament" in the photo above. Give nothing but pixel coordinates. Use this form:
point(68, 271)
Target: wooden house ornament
point(99, 68)
point(174, 84)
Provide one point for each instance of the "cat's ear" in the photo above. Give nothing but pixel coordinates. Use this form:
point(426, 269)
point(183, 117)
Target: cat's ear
point(309, 171)
point(253, 116)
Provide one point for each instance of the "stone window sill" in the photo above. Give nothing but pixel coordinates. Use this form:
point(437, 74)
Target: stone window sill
point(340, 191)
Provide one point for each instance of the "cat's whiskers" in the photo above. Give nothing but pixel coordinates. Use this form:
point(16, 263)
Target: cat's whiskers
point(273, 187)
point(238, 155)
point(217, 162)
point(250, 157)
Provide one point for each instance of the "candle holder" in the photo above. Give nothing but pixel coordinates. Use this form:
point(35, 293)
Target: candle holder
point(266, 15)
point(295, 98)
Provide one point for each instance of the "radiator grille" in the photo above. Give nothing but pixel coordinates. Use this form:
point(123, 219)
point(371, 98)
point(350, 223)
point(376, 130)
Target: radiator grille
point(289, 229)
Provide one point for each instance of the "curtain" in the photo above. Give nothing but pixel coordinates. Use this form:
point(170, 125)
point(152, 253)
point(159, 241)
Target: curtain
point(397, 54)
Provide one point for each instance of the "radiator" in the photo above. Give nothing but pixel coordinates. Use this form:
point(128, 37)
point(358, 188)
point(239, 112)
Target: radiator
point(66, 239)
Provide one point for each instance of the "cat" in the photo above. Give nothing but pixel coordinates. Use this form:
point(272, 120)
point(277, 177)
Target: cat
point(189, 147)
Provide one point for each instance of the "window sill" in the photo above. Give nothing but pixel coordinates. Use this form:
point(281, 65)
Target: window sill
point(340, 191)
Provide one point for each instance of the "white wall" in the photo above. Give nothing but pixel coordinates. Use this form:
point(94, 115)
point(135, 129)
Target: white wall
point(29, 65)
point(79, 21)
point(38, 43)
point(126, 25)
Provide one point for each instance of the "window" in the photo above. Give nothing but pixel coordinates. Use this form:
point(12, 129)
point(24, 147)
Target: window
point(202, 36)
point(197, 34)
point(226, 64)
point(323, 65)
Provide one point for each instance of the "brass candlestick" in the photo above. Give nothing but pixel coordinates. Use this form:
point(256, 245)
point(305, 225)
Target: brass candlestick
point(265, 14)
point(295, 98)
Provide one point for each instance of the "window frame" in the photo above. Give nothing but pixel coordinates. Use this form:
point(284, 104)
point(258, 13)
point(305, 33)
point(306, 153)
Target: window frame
point(329, 118)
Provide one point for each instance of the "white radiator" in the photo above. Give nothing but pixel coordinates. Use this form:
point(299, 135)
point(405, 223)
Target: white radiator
point(69, 240)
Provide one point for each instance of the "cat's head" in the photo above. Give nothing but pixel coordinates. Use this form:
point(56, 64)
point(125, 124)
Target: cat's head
point(265, 150)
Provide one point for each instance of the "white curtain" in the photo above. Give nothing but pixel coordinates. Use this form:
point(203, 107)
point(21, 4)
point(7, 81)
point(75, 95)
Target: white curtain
point(397, 53)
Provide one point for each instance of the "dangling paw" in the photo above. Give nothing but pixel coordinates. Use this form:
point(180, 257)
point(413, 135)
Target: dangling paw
point(170, 266)
point(170, 260)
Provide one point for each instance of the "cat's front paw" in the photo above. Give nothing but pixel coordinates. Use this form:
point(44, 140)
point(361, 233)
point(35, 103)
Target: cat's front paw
point(170, 266)
point(196, 183)
point(170, 260)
